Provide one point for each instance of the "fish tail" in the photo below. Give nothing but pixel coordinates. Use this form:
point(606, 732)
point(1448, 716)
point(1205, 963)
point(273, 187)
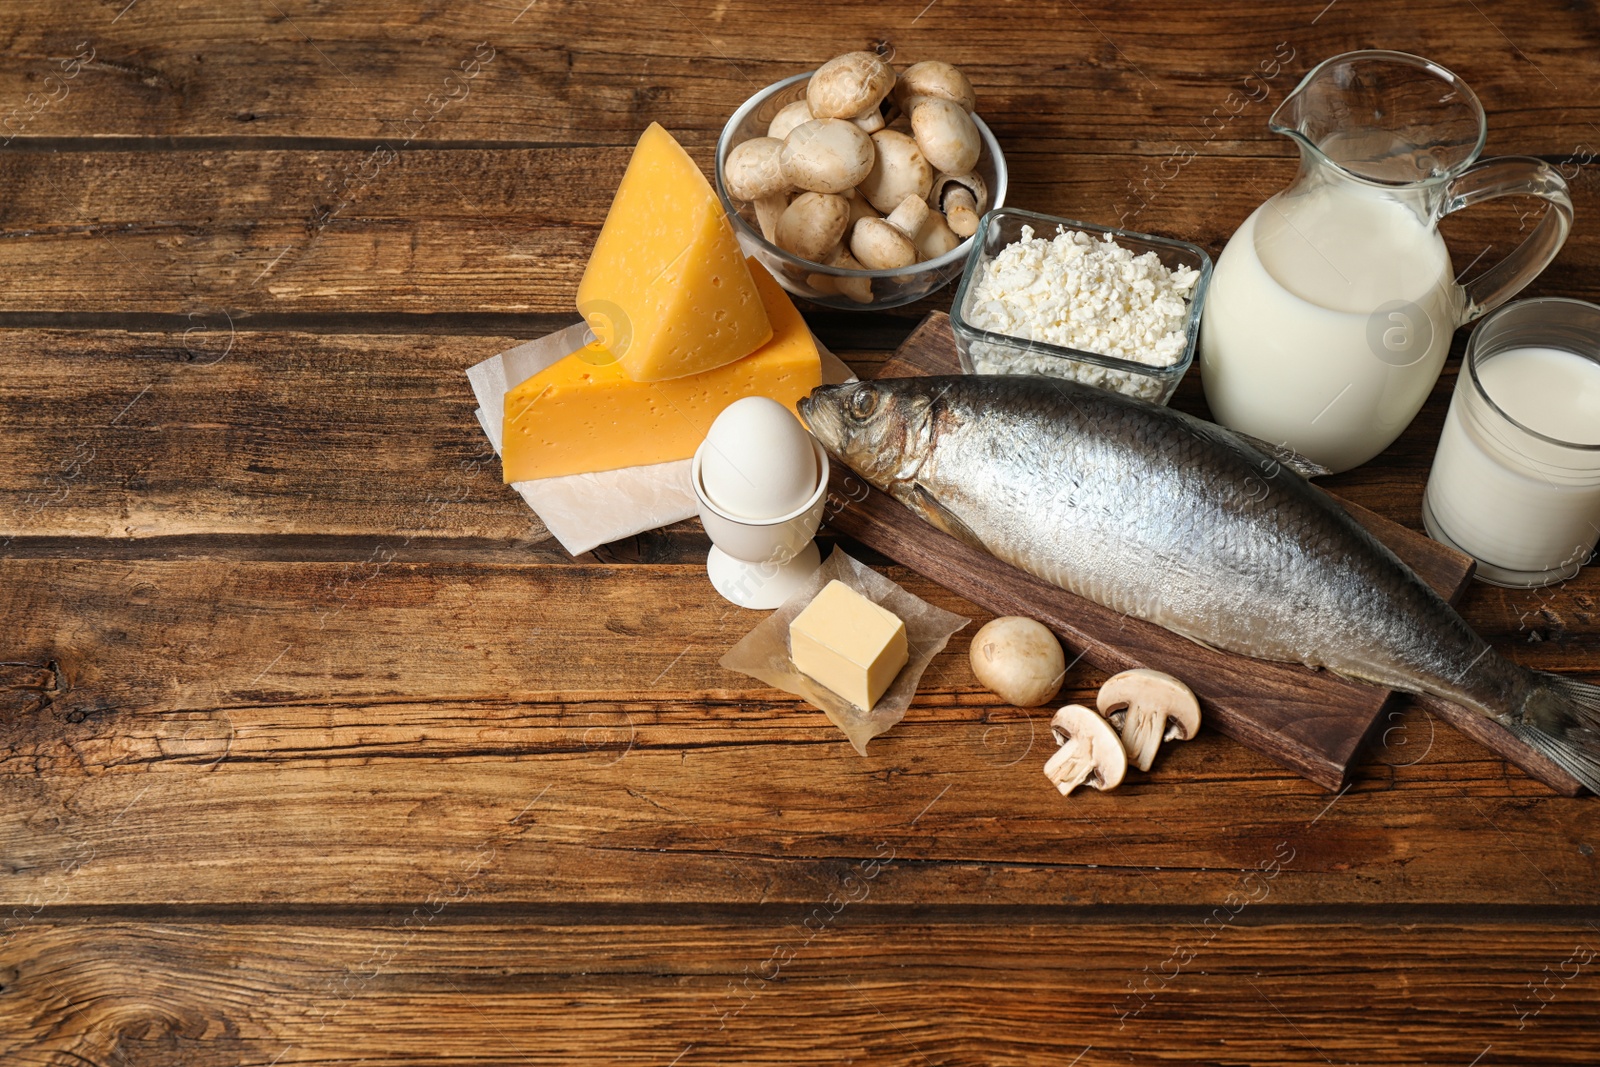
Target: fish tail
point(1561, 719)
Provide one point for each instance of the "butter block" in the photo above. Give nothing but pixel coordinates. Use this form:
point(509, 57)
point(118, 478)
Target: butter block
point(667, 289)
point(583, 414)
point(848, 644)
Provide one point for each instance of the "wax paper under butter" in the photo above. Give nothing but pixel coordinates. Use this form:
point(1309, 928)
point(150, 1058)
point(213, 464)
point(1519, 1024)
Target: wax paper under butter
point(585, 510)
point(764, 652)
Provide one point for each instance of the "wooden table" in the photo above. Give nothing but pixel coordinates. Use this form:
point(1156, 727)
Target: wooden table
point(317, 750)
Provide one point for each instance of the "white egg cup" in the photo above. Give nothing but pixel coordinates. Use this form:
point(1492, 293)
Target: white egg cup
point(760, 563)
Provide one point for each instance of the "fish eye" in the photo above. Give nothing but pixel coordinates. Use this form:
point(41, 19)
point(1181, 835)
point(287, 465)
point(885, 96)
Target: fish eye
point(863, 402)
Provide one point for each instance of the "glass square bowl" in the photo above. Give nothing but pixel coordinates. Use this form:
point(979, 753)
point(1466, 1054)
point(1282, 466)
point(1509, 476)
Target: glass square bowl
point(984, 352)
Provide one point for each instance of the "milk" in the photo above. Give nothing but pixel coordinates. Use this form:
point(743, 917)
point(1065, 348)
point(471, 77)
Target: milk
point(1516, 502)
point(1328, 321)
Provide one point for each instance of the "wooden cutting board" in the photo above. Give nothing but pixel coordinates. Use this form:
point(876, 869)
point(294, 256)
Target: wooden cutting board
point(1308, 721)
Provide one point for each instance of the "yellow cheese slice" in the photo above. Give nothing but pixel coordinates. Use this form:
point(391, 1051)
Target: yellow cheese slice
point(849, 644)
point(583, 414)
point(667, 289)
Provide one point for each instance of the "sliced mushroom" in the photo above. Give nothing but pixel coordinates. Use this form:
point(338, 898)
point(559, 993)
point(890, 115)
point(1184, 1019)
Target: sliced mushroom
point(898, 170)
point(1148, 707)
point(946, 134)
point(888, 243)
point(962, 198)
point(753, 172)
point(813, 225)
point(826, 156)
point(1090, 751)
point(792, 115)
point(848, 85)
point(933, 78)
point(933, 240)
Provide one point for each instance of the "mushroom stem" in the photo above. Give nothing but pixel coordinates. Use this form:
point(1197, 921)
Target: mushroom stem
point(1069, 768)
point(856, 288)
point(960, 210)
point(769, 209)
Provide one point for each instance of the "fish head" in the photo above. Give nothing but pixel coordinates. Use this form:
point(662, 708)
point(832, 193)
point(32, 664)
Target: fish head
point(879, 429)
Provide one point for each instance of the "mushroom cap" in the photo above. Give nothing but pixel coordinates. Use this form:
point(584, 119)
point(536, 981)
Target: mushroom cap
point(813, 225)
point(899, 169)
point(1148, 707)
point(790, 116)
point(1090, 753)
point(943, 183)
point(881, 246)
point(933, 77)
point(946, 134)
point(848, 85)
point(961, 211)
point(1016, 658)
point(826, 156)
point(753, 169)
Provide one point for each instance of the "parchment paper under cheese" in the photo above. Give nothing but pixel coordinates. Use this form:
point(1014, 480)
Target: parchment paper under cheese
point(583, 511)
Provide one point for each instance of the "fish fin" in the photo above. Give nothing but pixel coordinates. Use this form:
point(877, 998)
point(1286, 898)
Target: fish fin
point(928, 506)
point(1207, 645)
point(1561, 719)
point(1301, 465)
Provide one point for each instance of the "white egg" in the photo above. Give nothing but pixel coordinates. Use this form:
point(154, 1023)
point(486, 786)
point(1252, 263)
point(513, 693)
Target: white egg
point(758, 461)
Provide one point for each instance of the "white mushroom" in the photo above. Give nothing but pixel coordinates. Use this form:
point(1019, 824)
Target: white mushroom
point(1015, 658)
point(753, 172)
point(860, 208)
point(887, 243)
point(813, 225)
point(933, 78)
point(946, 134)
point(856, 288)
point(898, 170)
point(826, 156)
point(792, 115)
point(962, 198)
point(1148, 707)
point(1090, 751)
point(871, 120)
point(932, 241)
point(849, 85)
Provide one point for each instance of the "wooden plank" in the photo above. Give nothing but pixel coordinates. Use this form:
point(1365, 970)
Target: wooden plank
point(1141, 78)
point(794, 985)
point(139, 435)
point(331, 733)
point(217, 233)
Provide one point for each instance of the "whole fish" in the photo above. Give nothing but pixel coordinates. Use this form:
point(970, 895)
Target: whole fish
point(1177, 521)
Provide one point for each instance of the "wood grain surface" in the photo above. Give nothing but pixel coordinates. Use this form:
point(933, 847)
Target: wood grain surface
point(315, 750)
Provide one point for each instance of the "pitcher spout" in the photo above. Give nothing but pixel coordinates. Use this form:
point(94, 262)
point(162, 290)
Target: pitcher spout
point(1390, 118)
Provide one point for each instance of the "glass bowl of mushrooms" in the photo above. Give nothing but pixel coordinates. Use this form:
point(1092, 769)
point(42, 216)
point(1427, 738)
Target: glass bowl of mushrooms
point(856, 212)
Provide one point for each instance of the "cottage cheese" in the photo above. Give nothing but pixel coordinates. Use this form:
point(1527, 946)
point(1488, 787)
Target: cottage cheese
point(1076, 292)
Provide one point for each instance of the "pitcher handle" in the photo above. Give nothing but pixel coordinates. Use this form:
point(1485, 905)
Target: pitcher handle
point(1513, 176)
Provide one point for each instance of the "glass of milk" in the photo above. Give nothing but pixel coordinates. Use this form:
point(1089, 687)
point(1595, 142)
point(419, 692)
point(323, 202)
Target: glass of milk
point(1516, 480)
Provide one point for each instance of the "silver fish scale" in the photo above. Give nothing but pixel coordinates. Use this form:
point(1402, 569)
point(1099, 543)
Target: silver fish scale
point(1169, 519)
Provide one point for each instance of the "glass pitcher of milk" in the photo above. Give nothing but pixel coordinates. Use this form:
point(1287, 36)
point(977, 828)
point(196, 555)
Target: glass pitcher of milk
point(1331, 308)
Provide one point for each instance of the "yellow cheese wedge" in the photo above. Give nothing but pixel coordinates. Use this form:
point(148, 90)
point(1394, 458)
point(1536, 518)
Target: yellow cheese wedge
point(583, 414)
point(667, 288)
point(849, 644)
